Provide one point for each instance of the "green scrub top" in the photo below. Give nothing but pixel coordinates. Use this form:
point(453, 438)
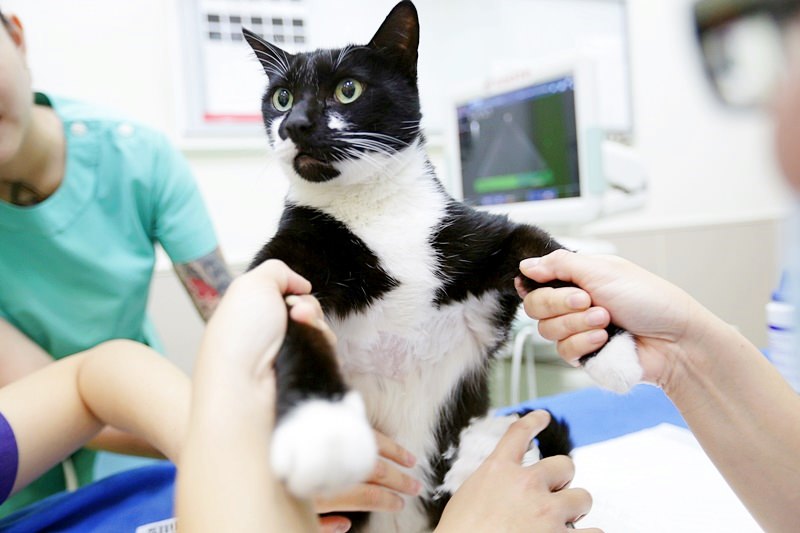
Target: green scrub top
point(75, 269)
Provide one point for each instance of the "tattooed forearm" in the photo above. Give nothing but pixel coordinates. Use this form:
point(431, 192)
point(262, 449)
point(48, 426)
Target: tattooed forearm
point(206, 280)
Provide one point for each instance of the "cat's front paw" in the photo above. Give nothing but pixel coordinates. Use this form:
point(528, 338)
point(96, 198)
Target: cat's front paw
point(322, 447)
point(616, 366)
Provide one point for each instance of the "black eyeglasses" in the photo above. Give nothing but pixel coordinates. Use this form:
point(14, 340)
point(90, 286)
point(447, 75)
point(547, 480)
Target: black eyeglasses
point(743, 46)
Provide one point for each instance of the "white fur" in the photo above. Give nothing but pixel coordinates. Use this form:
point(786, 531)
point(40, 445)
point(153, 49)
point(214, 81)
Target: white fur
point(477, 442)
point(323, 447)
point(337, 122)
point(616, 367)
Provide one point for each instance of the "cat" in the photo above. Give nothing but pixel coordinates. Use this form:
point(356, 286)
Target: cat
point(418, 287)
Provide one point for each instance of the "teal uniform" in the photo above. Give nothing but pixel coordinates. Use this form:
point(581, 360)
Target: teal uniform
point(76, 268)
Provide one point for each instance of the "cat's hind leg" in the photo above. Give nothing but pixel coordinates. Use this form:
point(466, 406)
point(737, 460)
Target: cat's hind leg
point(478, 440)
point(323, 442)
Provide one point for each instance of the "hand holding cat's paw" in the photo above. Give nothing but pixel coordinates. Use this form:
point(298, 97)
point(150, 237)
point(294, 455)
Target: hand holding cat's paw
point(322, 447)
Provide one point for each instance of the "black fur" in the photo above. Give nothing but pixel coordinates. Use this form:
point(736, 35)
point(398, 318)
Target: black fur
point(346, 275)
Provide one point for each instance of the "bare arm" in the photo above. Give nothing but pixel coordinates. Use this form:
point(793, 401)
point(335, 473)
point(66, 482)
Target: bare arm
point(742, 412)
point(119, 382)
point(233, 411)
point(206, 280)
point(19, 356)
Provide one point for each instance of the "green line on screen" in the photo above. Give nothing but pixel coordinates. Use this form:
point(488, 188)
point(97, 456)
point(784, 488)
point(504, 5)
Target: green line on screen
point(511, 182)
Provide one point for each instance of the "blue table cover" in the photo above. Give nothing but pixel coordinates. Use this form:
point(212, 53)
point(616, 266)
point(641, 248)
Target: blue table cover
point(130, 499)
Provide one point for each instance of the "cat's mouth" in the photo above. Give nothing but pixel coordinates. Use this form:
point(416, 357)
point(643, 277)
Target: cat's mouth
point(313, 168)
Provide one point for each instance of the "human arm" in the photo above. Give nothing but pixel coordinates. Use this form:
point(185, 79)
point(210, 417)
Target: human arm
point(19, 356)
point(503, 495)
point(205, 279)
point(55, 410)
point(225, 480)
point(742, 412)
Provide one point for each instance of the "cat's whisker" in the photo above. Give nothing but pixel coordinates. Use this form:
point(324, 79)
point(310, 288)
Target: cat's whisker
point(280, 64)
point(374, 146)
point(344, 52)
point(370, 134)
point(363, 156)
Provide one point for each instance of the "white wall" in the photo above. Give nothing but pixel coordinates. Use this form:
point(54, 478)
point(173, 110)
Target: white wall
point(706, 163)
point(703, 161)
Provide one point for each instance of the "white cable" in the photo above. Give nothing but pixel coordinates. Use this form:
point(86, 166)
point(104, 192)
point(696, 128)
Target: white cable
point(70, 475)
point(516, 364)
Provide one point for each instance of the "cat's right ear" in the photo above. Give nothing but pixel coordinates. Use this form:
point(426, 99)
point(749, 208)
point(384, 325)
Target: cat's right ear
point(399, 36)
point(275, 60)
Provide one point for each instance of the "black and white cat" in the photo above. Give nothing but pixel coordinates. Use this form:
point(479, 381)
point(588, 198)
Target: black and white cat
point(418, 287)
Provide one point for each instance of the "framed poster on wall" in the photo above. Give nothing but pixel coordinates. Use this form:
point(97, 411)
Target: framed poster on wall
point(223, 79)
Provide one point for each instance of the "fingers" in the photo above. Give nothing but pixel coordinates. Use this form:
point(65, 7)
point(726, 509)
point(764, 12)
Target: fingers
point(306, 309)
point(518, 437)
point(388, 476)
point(391, 450)
point(573, 348)
point(558, 328)
point(554, 472)
point(561, 264)
point(576, 503)
point(363, 497)
point(548, 302)
point(334, 524)
point(287, 280)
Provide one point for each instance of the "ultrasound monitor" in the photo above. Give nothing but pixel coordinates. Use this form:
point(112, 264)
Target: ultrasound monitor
point(526, 151)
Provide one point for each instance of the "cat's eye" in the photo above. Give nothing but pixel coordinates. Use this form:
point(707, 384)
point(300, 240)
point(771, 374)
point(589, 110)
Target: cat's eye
point(348, 90)
point(282, 100)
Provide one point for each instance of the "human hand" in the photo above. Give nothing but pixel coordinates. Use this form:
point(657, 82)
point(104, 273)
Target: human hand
point(659, 314)
point(378, 493)
point(249, 325)
point(503, 495)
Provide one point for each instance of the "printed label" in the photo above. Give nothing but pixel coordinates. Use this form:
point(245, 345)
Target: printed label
point(162, 526)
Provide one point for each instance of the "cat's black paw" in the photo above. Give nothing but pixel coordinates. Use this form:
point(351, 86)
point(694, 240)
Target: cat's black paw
point(525, 285)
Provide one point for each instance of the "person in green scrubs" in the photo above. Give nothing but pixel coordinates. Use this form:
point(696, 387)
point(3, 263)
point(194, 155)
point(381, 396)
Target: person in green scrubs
point(85, 196)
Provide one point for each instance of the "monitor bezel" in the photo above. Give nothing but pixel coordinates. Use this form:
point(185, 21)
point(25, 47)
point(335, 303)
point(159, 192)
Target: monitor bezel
point(552, 212)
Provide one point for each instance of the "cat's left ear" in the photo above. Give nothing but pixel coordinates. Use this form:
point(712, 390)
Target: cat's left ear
point(398, 36)
point(275, 60)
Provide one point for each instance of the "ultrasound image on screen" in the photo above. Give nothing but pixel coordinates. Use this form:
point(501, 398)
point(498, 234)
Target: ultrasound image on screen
point(520, 146)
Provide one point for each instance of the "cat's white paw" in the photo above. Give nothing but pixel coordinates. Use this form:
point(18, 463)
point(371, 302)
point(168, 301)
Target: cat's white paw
point(617, 366)
point(322, 447)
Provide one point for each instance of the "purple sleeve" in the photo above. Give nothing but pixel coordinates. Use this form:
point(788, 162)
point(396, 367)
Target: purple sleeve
point(9, 459)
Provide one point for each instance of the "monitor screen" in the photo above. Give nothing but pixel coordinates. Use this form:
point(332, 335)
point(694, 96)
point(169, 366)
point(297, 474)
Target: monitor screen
point(521, 145)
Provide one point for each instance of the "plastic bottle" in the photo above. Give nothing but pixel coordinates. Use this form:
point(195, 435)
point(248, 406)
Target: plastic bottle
point(781, 337)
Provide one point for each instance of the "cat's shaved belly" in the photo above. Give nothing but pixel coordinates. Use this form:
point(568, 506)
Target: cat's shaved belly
point(406, 379)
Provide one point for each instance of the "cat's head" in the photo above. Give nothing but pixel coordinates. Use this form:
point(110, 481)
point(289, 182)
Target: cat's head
point(343, 111)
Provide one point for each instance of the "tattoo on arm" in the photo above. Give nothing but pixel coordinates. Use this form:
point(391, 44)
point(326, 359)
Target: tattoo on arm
point(206, 280)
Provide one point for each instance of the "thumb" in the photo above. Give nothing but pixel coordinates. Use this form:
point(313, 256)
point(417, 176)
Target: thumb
point(561, 265)
point(518, 437)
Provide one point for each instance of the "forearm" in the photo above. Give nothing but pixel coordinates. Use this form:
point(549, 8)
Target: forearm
point(206, 280)
point(130, 387)
point(745, 416)
point(48, 417)
point(19, 356)
point(111, 439)
point(225, 480)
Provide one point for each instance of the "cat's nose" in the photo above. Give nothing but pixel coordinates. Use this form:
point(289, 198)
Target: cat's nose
point(297, 124)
